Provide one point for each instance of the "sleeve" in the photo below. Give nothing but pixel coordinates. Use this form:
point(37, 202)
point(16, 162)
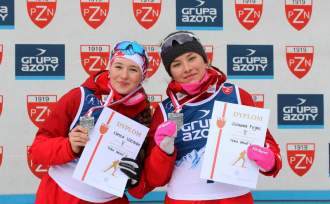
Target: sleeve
point(158, 165)
point(51, 145)
point(270, 142)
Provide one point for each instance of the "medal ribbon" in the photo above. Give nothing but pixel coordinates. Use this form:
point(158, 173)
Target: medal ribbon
point(178, 106)
point(109, 102)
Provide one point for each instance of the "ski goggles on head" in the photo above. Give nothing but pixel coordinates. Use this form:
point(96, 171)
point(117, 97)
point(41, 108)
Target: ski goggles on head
point(130, 48)
point(179, 37)
point(133, 51)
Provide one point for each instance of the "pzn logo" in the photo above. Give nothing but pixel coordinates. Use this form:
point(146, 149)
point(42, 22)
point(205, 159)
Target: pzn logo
point(300, 157)
point(298, 12)
point(299, 59)
point(147, 12)
point(154, 59)
point(248, 12)
point(41, 12)
point(94, 12)
point(39, 107)
point(38, 170)
point(94, 58)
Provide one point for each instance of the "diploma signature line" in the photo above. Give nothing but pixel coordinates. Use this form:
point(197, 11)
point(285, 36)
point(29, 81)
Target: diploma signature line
point(94, 150)
point(218, 143)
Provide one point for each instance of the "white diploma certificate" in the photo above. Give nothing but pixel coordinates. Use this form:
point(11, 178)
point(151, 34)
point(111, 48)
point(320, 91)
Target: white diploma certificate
point(113, 137)
point(233, 128)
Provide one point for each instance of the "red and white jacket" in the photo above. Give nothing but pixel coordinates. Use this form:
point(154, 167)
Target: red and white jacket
point(158, 118)
point(51, 145)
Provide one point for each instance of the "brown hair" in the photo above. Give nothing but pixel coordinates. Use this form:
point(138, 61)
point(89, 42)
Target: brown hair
point(144, 117)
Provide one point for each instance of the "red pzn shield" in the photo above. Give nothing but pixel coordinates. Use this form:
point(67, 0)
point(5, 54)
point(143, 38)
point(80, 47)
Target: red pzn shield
point(154, 100)
point(94, 12)
point(147, 12)
point(1, 52)
point(248, 14)
point(299, 59)
point(154, 59)
point(300, 157)
point(37, 169)
point(41, 12)
point(258, 100)
point(39, 107)
point(1, 155)
point(94, 58)
point(1, 104)
point(209, 53)
point(298, 13)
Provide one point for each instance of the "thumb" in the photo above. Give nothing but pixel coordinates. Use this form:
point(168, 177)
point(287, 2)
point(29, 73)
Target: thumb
point(167, 145)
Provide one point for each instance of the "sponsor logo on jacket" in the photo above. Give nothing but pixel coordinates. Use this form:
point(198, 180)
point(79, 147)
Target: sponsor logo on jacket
point(300, 110)
point(40, 61)
point(227, 89)
point(300, 157)
point(197, 129)
point(39, 107)
point(199, 15)
point(248, 12)
point(147, 12)
point(41, 12)
point(193, 134)
point(94, 12)
point(94, 58)
point(299, 59)
point(250, 61)
point(7, 14)
point(298, 12)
